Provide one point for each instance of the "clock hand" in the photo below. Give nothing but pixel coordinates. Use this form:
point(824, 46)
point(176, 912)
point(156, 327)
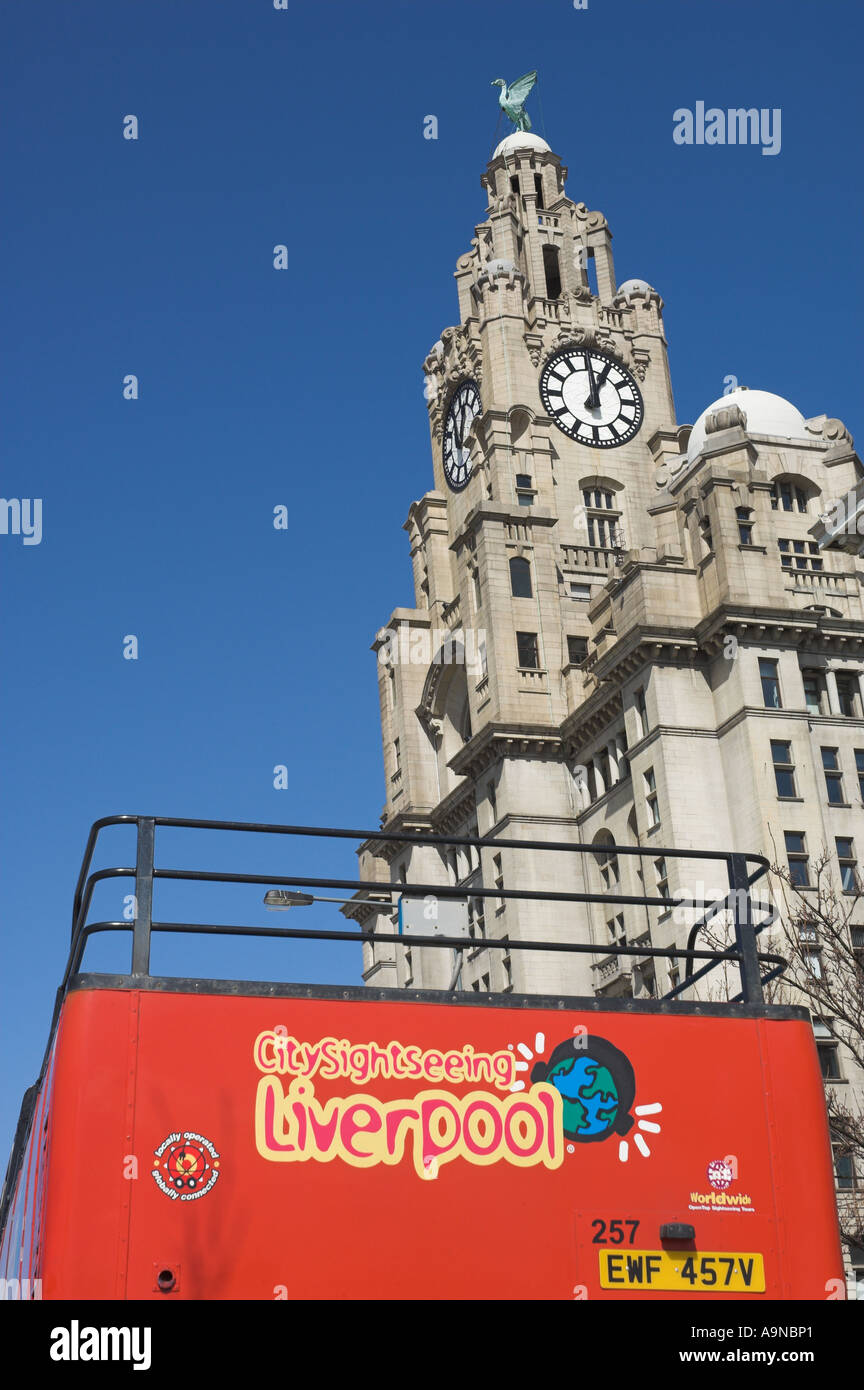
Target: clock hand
point(593, 400)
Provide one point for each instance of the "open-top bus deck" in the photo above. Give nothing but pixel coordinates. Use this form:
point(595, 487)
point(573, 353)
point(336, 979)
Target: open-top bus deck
point(213, 1139)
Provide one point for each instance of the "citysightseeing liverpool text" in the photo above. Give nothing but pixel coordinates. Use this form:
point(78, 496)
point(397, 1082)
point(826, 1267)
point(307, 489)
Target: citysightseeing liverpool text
point(293, 1126)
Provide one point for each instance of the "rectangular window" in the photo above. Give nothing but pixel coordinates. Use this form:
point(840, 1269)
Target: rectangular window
point(814, 691)
point(770, 683)
point(812, 958)
point(493, 801)
point(526, 644)
point(602, 532)
point(800, 555)
point(848, 863)
point(847, 691)
point(478, 597)
point(745, 525)
point(498, 877)
point(598, 499)
point(784, 768)
point(845, 1172)
point(451, 859)
point(662, 875)
point(651, 798)
point(397, 755)
point(602, 757)
point(858, 946)
point(641, 711)
point(859, 768)
point(787, 497)
point(525, 491)
point(674, 975)
point(508, 975)
point(580, 591)
point(476, 918)
point(615, 928)
point(796, 855)
point(577, 650)
point(833, 777)
point(623, 760)
point(827, 1049)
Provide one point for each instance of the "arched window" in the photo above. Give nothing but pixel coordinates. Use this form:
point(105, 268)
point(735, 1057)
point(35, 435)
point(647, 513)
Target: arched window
point(790, 493)
point(607, 862)
point(552, 272)
point(602, 517)
point(520, 578)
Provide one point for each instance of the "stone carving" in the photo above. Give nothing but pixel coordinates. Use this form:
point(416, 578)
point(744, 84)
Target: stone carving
point(837, 432)
point(640, 360)
point(534, 344)
point(726, 418)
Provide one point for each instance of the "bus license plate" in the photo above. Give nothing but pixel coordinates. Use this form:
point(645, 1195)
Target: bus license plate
point(712, 1272)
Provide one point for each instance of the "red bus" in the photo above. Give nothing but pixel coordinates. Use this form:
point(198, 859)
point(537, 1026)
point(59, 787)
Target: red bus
point(213, 1139)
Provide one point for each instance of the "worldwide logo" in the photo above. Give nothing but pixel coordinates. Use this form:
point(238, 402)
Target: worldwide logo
point(186, 1166)
point(721, 1174)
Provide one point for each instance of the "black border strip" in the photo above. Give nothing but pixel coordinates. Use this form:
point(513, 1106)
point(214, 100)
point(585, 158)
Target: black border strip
point(364, 994)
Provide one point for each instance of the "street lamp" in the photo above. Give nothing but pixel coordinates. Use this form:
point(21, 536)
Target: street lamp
point(280, 899)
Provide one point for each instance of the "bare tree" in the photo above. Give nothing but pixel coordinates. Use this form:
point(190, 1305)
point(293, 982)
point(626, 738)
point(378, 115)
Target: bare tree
point(820, 935)
point(820, 932)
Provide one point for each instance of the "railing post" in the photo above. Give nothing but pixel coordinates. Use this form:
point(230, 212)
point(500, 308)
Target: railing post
point(143, 896)
point(745, 936)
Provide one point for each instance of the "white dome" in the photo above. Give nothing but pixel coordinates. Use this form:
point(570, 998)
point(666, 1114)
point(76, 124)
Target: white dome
point(636, 287)
point(765, 412)
point(520, 140)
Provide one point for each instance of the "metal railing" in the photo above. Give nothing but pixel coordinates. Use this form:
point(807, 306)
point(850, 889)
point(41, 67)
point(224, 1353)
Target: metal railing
point(146, 872)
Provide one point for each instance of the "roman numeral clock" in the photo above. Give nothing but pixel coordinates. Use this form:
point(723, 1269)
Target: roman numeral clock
point(591, 397)
point(462, 411)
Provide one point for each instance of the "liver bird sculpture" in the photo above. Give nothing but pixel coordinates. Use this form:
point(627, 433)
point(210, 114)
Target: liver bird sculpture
point(512, 99)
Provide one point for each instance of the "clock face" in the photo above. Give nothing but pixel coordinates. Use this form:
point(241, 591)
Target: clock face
point(463, 409)
point(591, 397)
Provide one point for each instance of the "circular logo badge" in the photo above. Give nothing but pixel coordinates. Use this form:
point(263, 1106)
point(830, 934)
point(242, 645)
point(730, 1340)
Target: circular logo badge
point(719, 1174)
point(186, 1166)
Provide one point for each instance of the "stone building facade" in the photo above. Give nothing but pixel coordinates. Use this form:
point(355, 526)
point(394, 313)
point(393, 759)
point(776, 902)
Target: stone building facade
point(624, 629)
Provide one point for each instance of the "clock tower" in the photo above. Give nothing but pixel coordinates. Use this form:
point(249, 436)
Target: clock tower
point(549, 406)
point(600, 599)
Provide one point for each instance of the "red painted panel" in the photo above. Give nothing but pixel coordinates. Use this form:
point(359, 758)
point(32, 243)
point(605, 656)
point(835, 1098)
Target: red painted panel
point(291, 1160)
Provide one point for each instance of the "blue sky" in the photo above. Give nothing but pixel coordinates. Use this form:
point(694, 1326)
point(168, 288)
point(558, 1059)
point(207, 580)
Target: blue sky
point(304, 388)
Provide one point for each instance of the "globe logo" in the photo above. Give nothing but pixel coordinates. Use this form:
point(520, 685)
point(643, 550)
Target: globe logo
point(720, 1175)
point(597, 1087)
